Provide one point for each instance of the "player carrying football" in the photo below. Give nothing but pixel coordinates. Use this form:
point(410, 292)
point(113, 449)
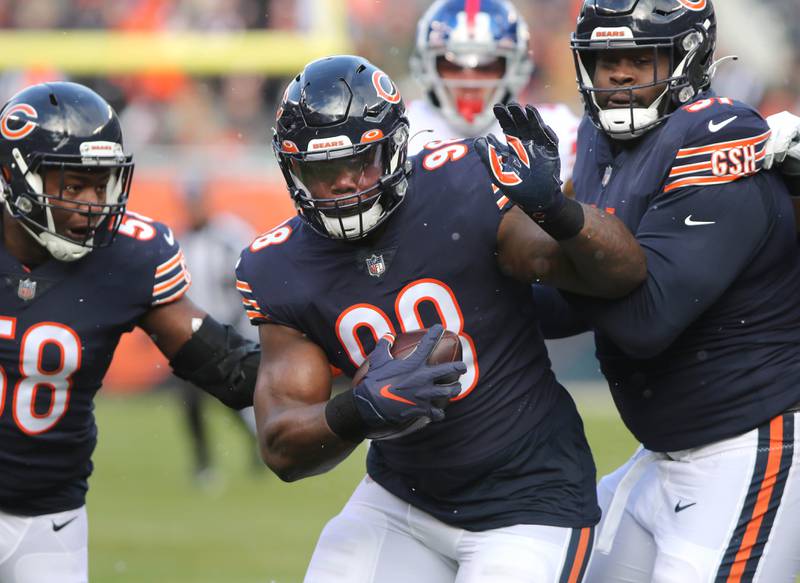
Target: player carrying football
point(387, 245)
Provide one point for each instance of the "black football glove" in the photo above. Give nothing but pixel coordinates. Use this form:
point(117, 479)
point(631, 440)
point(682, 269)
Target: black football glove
point(527, 169)
point(395, 393)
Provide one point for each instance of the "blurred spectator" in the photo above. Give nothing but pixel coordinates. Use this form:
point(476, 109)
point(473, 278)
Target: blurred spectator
point(211, 245)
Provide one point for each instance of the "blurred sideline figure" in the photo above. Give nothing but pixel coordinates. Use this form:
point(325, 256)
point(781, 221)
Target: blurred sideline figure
point(469, 55)
point(211, 246)
point(78, 271)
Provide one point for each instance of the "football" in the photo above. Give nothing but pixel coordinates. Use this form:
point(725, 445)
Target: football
point(448, 349)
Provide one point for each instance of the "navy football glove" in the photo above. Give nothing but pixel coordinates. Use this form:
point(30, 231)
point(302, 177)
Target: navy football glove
point(527, 170)
point(396, 393)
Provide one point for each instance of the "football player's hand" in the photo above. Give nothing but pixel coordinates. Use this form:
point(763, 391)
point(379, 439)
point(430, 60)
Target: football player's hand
point(527, 169)
point(397, 391)
point(783, 147)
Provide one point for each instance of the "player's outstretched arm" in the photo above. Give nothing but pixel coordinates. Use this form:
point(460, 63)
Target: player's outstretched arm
point(550, 237)
point(212, 356)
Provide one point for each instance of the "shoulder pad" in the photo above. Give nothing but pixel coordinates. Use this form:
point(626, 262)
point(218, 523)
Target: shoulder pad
point(719, 140)
point(455, 164)
point(156, 244)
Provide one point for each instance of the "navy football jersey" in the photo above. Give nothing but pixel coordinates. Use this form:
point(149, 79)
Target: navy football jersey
point(59, 326)
point(435, 261)
point(708, 347)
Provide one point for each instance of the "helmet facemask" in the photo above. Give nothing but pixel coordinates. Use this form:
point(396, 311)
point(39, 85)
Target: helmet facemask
point(372, 178)
point(25, 198)
point(689, 58)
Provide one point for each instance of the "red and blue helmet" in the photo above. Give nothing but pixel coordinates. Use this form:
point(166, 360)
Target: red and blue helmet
point(471, 34)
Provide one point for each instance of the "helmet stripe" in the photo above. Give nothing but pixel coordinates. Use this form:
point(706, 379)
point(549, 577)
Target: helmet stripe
point(694, 4)
point(472, 7)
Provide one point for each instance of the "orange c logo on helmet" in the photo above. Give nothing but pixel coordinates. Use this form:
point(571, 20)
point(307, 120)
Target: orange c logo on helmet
point(696, 5)
point(13, 113)
point(371, 136)
point(379, 79)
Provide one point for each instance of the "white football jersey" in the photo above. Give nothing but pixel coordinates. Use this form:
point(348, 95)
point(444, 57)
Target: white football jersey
point(424, 116)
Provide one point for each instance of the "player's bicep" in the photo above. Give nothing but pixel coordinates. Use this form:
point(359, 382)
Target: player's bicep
point(293, 372)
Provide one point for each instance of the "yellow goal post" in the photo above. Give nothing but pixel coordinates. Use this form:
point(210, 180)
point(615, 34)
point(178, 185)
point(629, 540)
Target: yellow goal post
point(110, 52)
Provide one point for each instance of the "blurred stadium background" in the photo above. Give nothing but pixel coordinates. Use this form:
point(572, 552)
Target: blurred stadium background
point(196, 84)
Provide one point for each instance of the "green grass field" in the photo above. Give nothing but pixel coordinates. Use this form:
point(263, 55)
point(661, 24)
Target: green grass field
point(150, 523)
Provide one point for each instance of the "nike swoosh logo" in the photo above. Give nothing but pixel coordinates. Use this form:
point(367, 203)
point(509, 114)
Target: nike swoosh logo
point(690, 223)
point(715, 127)
point(679, 508)
point(169, 237)
point(57, 527)
point(385, 392)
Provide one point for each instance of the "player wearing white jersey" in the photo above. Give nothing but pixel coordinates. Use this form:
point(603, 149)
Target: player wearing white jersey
point(469, 55)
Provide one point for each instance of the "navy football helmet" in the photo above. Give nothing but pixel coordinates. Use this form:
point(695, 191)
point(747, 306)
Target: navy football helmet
point(343, 115)
point(63, 127)
point(684, 29)
point(471, 34)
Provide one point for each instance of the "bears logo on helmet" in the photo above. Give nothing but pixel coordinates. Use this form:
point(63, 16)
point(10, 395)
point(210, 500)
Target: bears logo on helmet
point(379, 79)
point(13, 114)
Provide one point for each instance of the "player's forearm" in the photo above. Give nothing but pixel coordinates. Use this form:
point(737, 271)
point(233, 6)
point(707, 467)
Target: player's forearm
point(607, 260)
point(297, 443)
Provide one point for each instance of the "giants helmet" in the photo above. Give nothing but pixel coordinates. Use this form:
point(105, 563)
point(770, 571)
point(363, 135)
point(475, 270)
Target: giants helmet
point(62, 127)
point(471, 34)
point(686, 29)
point(343, 113)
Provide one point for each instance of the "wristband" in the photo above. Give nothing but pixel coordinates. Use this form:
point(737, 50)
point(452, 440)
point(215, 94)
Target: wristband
point(564, 223)
point(344, 419)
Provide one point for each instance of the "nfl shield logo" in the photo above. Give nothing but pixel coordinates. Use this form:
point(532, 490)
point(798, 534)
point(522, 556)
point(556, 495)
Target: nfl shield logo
point(376, 266)
point(26, 289)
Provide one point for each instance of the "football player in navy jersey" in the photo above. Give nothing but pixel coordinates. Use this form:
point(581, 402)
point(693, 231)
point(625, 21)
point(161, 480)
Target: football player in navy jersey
point(702, 360)
point(487, 478)
point(78, 272)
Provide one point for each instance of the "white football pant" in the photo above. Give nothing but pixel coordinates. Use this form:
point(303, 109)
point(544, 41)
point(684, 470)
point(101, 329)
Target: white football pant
point(728, 512)
point(378, 538)
point(50, 548)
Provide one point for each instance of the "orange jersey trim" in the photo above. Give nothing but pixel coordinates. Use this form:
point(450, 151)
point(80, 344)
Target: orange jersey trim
point(689, 152)
point(170, 283)
point(169, 265)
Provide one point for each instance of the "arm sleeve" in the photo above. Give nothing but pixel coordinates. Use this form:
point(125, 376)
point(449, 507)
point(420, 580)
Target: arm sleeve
point(696, 244)
point(557, 319)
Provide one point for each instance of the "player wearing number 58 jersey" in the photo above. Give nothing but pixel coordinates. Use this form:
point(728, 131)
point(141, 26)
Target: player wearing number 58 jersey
point(76, 272)
point(498, 486)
